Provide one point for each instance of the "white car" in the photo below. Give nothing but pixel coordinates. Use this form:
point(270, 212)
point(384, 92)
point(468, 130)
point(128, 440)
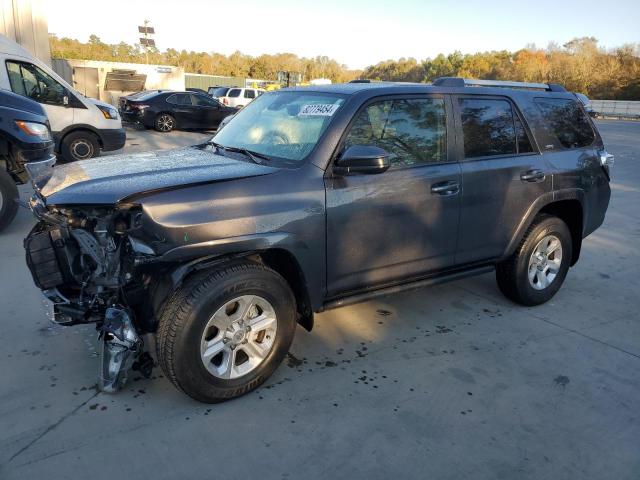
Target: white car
point(239, 97)
point(81, 126)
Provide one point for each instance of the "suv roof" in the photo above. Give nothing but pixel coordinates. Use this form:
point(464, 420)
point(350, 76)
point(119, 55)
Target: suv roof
point(450, 84)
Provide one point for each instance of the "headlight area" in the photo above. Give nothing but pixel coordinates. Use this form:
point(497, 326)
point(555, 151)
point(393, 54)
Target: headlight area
point(84, 260)
point(110, 113)
point(34, 129)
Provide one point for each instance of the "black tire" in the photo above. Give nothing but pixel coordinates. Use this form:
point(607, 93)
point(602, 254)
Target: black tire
point(513, 274)
point(80, 145)
point(165, 123)
point(8, 199)
point(185, 316)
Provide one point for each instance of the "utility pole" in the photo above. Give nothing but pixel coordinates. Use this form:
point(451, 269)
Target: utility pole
point(145, 40)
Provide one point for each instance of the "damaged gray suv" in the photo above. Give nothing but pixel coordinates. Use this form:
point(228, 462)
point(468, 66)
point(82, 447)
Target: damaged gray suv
point(309, 199)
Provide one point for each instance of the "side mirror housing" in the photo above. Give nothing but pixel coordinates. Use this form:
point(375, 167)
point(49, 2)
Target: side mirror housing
point(362, 159)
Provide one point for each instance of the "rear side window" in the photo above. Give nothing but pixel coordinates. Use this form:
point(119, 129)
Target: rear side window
point(412, 131)
point(487, 127)
point(566, 121)
point(491, 127)
point(180, 99)
point(249, 94)
point(234, 92)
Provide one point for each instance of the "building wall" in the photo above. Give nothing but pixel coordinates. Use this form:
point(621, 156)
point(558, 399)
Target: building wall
point(25, 22)
point(196, 80)
point(158, 76)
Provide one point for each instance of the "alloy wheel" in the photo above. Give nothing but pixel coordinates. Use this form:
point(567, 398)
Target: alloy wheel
point(545, 262)
point(238, 337)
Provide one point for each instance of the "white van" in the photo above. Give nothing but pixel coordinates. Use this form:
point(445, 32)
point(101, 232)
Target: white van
point(81, 126)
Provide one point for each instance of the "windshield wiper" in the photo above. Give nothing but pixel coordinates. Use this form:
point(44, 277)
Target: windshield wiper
point(253, 156)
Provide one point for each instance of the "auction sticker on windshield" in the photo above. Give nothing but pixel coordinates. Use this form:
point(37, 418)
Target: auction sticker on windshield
point(318, 110)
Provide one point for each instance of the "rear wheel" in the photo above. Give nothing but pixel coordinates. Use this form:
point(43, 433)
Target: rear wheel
point(537, 269)
point(80, 145)
point(165, 122)
point(224, 332)
point(8, 199)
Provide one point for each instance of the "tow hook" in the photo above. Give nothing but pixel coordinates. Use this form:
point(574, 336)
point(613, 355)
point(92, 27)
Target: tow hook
point(121, 344)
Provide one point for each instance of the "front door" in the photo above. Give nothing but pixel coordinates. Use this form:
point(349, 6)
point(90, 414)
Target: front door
point(31, 81)
point(402, 223)
point(503, 173)
point(210, 111)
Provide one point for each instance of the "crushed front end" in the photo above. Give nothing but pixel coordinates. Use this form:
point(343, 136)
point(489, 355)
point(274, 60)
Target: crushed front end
point(84, 260)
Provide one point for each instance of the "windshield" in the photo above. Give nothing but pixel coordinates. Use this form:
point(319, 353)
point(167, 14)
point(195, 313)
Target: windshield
point(284, 125)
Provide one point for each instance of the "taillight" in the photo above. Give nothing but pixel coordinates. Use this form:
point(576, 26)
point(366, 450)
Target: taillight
point(225, 101)
point(139, 107)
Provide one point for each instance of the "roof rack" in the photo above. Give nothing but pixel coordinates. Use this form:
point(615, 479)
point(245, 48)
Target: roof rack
point(467, 82)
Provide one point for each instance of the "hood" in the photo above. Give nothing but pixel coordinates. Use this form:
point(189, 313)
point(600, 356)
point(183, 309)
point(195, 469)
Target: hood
point(108, 180)
point(99, 102)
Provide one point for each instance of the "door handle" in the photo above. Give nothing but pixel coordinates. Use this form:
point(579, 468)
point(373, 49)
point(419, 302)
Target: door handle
point(532, 176)
point(450, 187)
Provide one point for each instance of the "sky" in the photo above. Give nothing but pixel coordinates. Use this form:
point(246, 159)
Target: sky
point(353, 32)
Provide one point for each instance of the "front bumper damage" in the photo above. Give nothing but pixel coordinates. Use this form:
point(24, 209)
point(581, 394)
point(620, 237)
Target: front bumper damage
point(83, 260)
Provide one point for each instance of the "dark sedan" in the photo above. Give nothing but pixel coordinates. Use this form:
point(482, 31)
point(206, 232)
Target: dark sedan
point(167, 110)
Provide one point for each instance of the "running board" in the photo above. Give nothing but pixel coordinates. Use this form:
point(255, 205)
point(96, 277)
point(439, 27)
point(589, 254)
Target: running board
point(414, 285)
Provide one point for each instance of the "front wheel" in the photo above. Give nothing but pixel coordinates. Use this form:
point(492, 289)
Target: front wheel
point(80, 145)
point(537, 269)
point(224, 332)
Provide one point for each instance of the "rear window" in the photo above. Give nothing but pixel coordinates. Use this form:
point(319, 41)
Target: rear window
point(234, 93)
point(566, 121)
point(249, 93)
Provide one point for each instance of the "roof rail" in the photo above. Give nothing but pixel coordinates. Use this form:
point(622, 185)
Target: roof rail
point(458, 82)
point(360, 80)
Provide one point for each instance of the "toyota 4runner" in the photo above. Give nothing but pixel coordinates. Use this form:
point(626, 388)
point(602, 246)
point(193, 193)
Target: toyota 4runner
point(313, 198)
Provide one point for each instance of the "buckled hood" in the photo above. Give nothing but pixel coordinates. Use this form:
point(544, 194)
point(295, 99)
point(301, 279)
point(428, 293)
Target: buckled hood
point(110, 179)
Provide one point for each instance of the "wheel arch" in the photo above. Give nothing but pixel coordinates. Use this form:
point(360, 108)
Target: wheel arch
point(567, 205)
point(81, 127)
point(278, 259)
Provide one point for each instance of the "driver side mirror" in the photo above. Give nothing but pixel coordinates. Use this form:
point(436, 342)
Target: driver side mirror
point(363, 159)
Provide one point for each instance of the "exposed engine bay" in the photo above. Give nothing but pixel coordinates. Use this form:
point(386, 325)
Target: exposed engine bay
point(84, 259)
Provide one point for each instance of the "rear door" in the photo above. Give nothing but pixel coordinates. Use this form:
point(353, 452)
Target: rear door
point(186, 114)
point(503, 173)
point(403, 223)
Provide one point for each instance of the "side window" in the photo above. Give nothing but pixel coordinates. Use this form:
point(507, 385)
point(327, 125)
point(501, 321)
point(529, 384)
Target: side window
point(524, 144)
point(203, 101)
point(234, 92)
point(488, 127)
point(249, 93)
point(413, 131)
point(30, 81)
point(182, 99)
point(566, 120)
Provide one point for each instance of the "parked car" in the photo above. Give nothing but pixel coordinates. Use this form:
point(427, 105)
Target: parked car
point(25, 141)
point(586, 103)
point(81, 126)
point(240, 97)
point(218, 92)
point(168, 110)
point(309, 199)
